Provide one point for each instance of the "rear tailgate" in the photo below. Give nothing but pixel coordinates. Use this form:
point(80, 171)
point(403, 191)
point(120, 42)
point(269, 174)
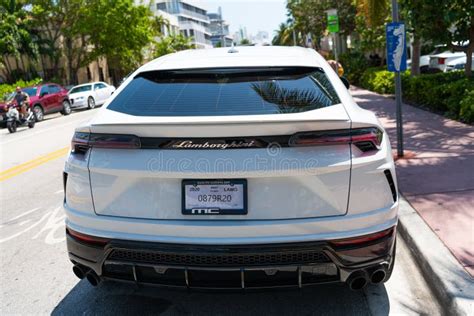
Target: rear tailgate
point(283, 182)
point(169, 117)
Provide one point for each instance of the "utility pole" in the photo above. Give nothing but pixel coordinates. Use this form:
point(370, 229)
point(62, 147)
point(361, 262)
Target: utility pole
point(398, 92)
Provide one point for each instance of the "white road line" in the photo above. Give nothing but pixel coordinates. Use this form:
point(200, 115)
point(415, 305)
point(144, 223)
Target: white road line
point(29, 135)
point(22, 214)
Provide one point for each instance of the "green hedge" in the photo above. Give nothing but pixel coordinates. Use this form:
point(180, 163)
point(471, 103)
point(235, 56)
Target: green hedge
point(354, 64)
point(467, 106)
point(6, 89)
point(451, 93)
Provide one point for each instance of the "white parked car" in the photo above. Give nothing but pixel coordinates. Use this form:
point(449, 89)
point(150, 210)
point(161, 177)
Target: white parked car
point(425, 59)
point(90, 94)
point(246, 167)
point(459, 64)
point(440, 61)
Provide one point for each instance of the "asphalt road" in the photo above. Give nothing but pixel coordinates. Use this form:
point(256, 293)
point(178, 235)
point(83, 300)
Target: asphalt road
point(36, 276)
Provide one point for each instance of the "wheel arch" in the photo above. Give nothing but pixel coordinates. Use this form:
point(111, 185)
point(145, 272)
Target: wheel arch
point(38, 104)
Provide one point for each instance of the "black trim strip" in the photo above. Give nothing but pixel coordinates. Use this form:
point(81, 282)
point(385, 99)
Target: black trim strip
point(190, 143)
point(391, 183)
point(340, 136)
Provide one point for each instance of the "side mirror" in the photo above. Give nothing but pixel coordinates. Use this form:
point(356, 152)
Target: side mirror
point(43, 94)
point(345, 82)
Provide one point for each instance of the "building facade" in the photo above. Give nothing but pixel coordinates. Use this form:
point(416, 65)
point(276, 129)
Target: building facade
point(58, 72)
point(219, 29)
point(172, 24)
point(192, 19)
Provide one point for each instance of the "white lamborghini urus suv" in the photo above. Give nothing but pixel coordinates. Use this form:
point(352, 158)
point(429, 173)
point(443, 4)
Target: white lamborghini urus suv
point(248, 167)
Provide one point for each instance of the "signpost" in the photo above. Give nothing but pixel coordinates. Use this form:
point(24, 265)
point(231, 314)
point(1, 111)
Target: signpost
point(333, 21)
point(396, 62)
point(333, 27)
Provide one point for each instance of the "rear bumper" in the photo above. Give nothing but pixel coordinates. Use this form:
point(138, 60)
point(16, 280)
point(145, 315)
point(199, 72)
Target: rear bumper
point(232, 266)
point(78, 103)
point(232, 232)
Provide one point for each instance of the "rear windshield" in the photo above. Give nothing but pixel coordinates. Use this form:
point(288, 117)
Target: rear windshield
point(81, 89)
point(229, 91)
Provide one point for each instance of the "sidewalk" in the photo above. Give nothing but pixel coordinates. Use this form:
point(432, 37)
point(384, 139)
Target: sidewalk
point(437, 175)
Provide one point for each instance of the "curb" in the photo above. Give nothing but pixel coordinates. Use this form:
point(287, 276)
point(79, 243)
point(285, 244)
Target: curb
point(450, 283)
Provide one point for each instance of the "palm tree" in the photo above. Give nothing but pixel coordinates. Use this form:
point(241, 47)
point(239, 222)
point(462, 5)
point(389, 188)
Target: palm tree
point(290, 100)
point(284, 35)
point(374, 11)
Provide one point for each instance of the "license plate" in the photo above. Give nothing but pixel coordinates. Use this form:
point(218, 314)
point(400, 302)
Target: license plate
point(214, 197)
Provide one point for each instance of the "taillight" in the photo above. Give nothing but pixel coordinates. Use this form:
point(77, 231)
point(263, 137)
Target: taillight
point(81, 142)
point(441, 61)
point(365, 139)
point(362, 239)
point(87, 239)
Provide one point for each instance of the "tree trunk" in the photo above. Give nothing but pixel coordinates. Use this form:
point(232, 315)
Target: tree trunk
point(17, 64)
point(54, 58)
point(23, 66)
point(382, 58)
point(43, 67)
point(8, 68)
point(470, 49)
point(468, 68)
point(342, 44)
point(415, 59)
point(69, 57)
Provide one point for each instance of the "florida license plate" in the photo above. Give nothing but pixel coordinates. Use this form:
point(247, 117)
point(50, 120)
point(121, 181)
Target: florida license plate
point(214, 197)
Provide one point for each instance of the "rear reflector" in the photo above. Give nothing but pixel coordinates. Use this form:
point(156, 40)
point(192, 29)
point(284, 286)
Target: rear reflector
point(81, 142)
point(365, 139)
point(362, 239)
point(87, 239)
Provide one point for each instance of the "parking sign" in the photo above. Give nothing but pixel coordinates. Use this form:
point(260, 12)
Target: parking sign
point(396, 47)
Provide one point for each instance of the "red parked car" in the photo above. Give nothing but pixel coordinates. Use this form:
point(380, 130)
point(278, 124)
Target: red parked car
point(48, 98)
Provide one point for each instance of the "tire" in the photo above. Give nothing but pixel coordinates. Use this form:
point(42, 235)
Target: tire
point(66, 108)
point(39, 113)
point(11, 126)
point(90, 103)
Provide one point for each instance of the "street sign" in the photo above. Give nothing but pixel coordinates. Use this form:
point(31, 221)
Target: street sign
point(309, 41)
point(333, 21)
point(396, 47)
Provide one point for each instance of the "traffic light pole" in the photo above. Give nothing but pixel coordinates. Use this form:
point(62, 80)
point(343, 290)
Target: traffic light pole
point(398, 92)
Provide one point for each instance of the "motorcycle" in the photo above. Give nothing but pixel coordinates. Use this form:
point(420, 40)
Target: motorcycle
point(15, 120)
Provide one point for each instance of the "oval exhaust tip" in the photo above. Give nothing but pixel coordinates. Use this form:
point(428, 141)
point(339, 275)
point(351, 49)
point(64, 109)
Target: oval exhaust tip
point(378, 276)
point(93, 278)
point(78, 271)
point(357, 280)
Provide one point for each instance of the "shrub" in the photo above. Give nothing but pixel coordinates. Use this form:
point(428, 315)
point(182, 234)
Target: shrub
point(447, 93)
point(378, 80)
point(6, 89)
point(466, 111)
point(354, 63)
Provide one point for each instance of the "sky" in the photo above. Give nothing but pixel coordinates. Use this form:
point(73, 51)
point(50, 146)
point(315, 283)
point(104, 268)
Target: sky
point(255, 15)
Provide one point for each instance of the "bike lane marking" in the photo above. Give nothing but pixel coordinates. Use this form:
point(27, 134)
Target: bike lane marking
point(24, 167)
